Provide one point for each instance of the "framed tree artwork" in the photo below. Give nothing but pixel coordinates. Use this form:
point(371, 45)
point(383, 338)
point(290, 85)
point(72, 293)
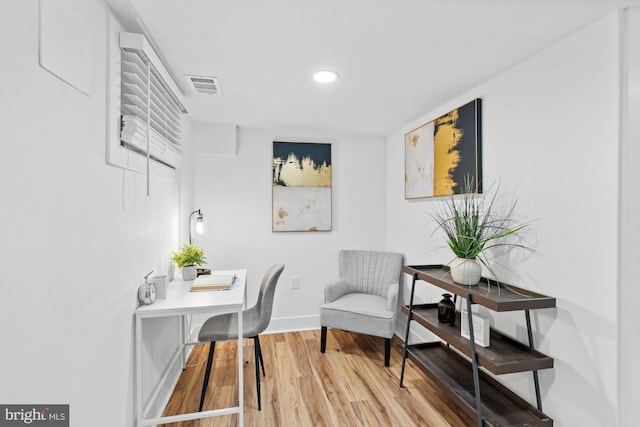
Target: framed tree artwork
point(439, 155)
point(301, 186)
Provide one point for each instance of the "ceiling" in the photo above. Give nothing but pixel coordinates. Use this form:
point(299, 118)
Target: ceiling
point(397, 59)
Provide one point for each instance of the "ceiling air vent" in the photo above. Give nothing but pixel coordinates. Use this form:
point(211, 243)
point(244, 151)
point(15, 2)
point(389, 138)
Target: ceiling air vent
point(203, 84)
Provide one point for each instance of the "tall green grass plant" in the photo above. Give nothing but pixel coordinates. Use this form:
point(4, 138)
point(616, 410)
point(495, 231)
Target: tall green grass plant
point(473, 223)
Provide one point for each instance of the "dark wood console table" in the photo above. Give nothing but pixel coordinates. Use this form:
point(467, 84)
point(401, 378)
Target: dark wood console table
point(478, 393)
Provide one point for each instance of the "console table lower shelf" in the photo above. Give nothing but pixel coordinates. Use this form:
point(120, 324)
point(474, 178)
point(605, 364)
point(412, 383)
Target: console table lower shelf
point(453, 374)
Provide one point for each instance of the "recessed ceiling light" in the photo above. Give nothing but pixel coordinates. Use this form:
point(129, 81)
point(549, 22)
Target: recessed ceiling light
point(325, 76)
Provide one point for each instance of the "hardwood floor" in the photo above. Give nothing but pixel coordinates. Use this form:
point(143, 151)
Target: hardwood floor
point(346, 386)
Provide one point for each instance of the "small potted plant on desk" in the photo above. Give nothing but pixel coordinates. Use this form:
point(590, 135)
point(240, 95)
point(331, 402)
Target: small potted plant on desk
point(188, 258)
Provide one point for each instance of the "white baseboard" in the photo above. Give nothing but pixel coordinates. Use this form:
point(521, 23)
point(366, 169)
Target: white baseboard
point(293, 324)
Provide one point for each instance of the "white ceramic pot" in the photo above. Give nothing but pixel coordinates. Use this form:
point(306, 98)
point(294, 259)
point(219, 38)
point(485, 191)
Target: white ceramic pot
point(466, 271)
point(190, 272)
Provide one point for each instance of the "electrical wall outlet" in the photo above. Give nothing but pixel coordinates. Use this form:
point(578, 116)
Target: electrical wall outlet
point(295, 282)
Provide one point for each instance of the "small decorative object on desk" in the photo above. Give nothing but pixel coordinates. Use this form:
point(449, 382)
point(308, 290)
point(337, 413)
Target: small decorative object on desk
point(147, 291)
point(204, 271)
point(161, 286)
point(171, 270)
point(446, 310)
point(188, 258)
point(214, 283)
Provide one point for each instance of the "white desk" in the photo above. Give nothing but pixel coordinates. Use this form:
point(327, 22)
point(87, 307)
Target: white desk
point(181, 302)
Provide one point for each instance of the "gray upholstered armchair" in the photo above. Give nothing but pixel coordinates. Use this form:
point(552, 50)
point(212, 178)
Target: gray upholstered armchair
point(364, 299)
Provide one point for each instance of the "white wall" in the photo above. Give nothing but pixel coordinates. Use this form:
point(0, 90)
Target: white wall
point(77, 235)
point(234, 194)
point(629, 211)
point(550, 134)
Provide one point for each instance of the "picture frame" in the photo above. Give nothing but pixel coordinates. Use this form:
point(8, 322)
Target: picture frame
point(301, 186)
point(441, 154)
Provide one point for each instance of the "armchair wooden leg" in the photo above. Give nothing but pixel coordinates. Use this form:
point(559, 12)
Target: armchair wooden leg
point(323, 339)
point(207, 372)
point(387, 351)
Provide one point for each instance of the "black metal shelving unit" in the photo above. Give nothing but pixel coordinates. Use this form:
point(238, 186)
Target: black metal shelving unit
point(478, 393)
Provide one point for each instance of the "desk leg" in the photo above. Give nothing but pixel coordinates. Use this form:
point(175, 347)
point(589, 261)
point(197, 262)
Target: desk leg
point(184, 337)
point(240, 369)
point(246, 342)
point(138, 369)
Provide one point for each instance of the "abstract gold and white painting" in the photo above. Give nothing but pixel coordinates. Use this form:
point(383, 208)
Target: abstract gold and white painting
point(441, 154)
point(301, 185)
point(418, 162)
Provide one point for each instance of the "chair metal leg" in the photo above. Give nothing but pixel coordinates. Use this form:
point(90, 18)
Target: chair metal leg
point(387, 351)
point(207, 372)
point(260, 354)
point(256, 347)
point(323, 339)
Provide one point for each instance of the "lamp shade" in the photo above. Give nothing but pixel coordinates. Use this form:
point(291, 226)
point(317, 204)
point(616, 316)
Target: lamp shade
point(196, 225)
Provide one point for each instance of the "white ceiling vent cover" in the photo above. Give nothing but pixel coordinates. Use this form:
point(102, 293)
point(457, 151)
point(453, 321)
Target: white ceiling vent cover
point(204, 84)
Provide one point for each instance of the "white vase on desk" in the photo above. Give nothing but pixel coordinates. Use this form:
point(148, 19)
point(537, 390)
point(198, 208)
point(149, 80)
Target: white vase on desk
point(171, 270)
point(190, 272)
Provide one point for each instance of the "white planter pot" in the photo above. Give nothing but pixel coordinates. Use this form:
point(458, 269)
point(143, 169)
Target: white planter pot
point(466, 271)
point(189, 273)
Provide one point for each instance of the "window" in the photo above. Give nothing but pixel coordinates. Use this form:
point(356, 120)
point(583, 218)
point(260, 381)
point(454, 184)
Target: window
point(145, 109)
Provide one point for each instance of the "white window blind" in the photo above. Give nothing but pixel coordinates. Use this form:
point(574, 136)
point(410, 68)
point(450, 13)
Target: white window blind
point(145, 109)
point(151, 113)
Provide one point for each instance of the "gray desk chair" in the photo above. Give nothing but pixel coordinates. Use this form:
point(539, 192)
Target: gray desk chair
point(364, 299)
point(224, 327)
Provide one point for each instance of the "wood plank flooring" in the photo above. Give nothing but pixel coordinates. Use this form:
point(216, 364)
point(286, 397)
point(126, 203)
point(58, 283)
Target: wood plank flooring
point(347, 386)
